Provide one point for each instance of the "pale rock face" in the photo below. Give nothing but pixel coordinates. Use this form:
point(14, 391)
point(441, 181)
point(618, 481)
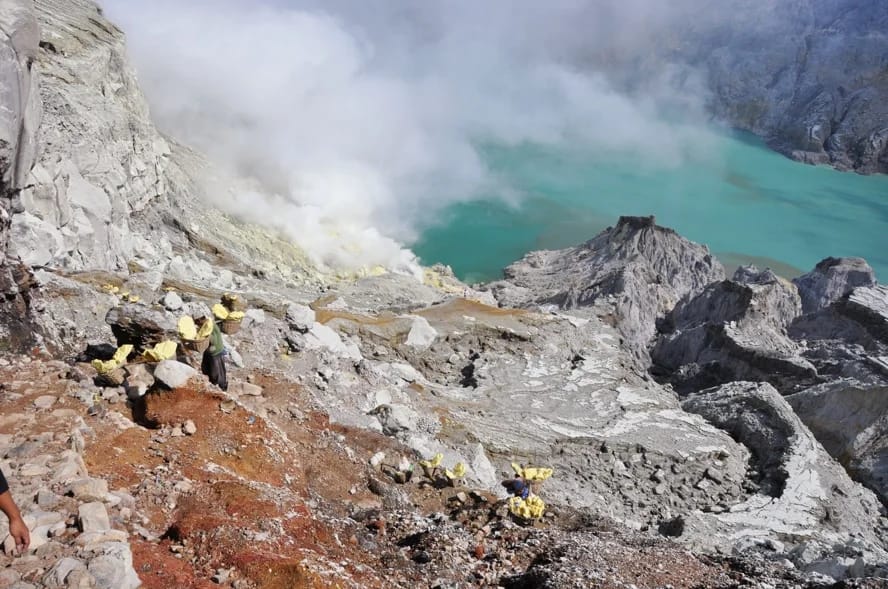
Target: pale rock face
point(81, 194)
point(851, 421)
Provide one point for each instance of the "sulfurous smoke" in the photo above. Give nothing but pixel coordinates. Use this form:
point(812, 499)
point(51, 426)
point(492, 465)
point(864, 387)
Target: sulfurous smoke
point(363, 120)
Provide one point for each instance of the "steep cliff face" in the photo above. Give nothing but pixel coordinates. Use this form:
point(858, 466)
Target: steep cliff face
point(19, 119)
point(809, 76)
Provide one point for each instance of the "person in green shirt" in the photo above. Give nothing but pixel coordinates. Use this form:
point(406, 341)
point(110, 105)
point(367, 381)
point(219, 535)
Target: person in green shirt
point(213, 364)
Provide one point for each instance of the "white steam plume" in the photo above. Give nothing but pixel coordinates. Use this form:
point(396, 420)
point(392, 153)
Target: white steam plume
point(361, 119)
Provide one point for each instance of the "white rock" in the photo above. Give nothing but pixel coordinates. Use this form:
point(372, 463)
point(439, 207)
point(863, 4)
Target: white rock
point(89, 489)
point(93, 517)
point(377, 459)
point(300, 317)
point(406, 372)
point(114, 569)
point(189, 428)
point(396, 418)
point(321, 336)
point(421, 334)
point(59, 572)
point(173, 374)
point(254, 316)
point(172, 301)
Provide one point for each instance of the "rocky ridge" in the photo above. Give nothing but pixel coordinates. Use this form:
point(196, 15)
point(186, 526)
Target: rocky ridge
point(328, 374)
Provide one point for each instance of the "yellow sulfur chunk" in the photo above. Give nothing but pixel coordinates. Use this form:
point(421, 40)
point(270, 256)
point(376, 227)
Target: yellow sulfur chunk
point(121, 354)
point(434, 462)
point(532, 473)
point(537, 474)
point(205, 330)
point(104, 367)
point(162, 351)
point(187, 328)
point(220, 311)
point(236, 315)
point(119, 359)
point(458, 472)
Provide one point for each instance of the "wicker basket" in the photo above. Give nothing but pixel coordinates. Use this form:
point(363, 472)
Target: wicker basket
point(231, 326)
point(199, 346)
point(233, 303)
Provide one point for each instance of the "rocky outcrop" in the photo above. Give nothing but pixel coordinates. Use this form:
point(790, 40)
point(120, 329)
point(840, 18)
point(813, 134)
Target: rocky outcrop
point(852, 424)
point(832, 279)
point(101, 159)
point(734, 330)
point(849, 338)
point(19, 119)
point(808, 76)
point(640, 268)
point(802, 487)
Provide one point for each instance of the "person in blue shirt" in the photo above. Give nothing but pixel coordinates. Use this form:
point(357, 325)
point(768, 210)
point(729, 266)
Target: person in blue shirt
point(518, 487)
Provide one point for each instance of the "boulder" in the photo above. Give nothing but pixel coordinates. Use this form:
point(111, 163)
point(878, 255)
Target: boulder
point(832, 279)
point(139, 325)
point(396, 418)
point(300, 317)
point(93, 517)
point(172, 301)
point(88, 489)
point(113, 569)
point(173, 374)
point(421, 334)
point(138, 381)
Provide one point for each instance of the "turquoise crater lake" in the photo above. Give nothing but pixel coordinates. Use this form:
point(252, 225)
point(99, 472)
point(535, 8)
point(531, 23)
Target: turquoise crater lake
point(746, 202)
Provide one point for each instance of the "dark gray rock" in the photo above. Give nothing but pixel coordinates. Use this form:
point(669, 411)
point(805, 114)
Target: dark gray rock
point(849, 338)
point(139, 325)
point(734, 330)
point(832, 279)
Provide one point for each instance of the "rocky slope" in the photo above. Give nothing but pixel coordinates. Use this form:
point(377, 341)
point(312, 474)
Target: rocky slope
point(809, 76)
point(291, 478)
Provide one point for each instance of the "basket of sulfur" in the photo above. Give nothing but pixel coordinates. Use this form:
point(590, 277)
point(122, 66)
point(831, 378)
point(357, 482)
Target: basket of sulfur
point(193, 338)
point(110, 372)
point(233, 303)
point(231, 320)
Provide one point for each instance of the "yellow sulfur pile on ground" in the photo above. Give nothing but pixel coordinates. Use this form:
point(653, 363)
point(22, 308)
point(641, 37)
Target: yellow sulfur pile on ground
point(434, 462)
point(458, 472)
point(119, 359)
point(531, 508)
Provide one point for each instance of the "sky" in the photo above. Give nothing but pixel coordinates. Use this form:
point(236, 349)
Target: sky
point(362, 121)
